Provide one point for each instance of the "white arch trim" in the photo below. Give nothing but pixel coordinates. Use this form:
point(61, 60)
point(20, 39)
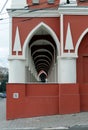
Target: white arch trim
point(41, 72)
point(79, 41)
point(51, 32)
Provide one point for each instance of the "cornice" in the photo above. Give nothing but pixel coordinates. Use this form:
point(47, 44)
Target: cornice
point(32, 13)
point(65, 10)
point(68, 56)
point(73, 10)
point(11, 57)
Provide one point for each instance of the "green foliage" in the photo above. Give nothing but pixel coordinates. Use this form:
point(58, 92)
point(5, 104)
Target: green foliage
point(3, 83)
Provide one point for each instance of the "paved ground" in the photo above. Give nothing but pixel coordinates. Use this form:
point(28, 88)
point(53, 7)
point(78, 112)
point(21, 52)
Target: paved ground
point(41, 123)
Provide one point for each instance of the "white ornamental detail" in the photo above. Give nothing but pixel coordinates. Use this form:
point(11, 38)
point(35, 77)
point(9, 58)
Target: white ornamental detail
point(69, 42)
point(17, 43)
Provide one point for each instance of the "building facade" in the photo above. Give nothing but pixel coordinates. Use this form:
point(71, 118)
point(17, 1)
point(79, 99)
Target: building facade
point(48, 58)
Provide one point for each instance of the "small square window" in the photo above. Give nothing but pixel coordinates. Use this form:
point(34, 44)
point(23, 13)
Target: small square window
point(50, 1)
point(35, 1)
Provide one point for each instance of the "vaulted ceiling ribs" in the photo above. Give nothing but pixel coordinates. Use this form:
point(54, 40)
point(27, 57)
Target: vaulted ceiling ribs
point(43, 52)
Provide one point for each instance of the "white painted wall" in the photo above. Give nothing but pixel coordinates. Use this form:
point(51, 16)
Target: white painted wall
point(67, 70)
point(18, 3)
point(56, 70)
point(17, 71)
point(52, 74)
point(72, 3)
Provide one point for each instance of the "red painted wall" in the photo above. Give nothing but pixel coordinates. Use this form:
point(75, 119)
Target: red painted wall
point(78, 25)
point(84, 97)
point(43, 4)
point(82, 61)
point(42, 100)
point(82, 3)
point(26, 25)
point(69, 98)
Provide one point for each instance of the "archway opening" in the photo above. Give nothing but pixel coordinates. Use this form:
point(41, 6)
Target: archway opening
point(43, 52)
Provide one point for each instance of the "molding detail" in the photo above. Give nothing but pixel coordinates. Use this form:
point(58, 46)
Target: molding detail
point(73, 10)
point(16, 58)
point(30, 13)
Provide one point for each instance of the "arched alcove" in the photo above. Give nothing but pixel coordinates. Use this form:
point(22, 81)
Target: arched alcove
point(41, 49)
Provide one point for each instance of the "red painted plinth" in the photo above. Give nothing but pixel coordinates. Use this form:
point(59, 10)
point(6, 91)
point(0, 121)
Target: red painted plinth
point(69, 98)
point(28, 100)
point(84, 97)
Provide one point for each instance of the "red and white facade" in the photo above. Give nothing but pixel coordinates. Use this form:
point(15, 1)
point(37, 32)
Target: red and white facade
point(49, 44)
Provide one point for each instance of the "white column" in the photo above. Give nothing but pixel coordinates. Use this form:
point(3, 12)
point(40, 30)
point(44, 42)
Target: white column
point(55, 72)
point(52, 74)
point(67, 70)
point(17, 71)
point(18, 3)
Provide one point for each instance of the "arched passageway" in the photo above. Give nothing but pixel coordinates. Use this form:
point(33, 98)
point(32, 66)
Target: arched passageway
point(41, 57)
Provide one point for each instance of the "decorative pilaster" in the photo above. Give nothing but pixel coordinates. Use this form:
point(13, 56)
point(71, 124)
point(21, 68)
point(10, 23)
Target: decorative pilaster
point(17, 71)
point(66, 70)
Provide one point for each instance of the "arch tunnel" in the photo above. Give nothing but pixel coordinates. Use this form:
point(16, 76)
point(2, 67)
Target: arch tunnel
point(43, 54)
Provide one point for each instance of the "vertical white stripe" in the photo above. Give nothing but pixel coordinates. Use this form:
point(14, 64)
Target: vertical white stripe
point(10, 36)
point(61, 33)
